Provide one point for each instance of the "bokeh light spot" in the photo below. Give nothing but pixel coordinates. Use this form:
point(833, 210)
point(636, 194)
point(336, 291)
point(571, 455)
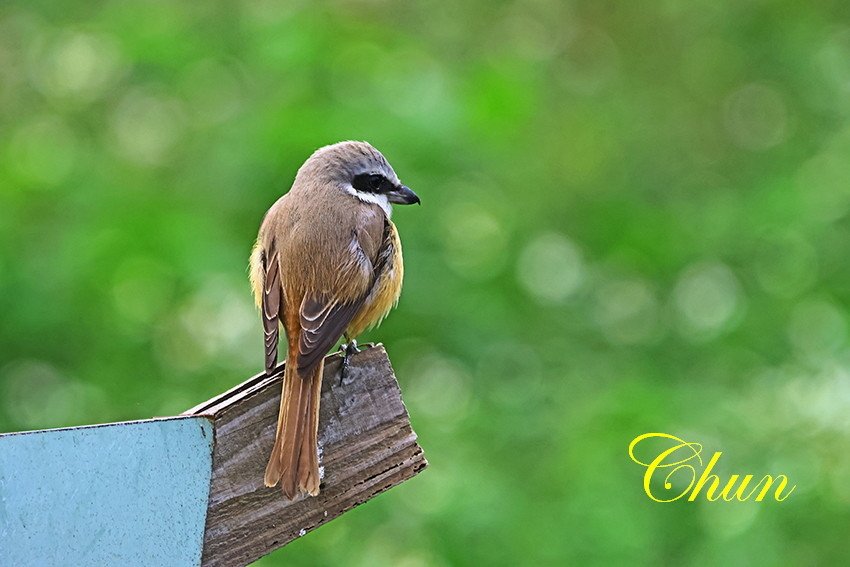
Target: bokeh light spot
point(37, 396)
point(817, 327)
point(78, 65)
point(550, 268)
point(627, 311)
point(707, 297)
point(834, 59)
point(439, 388)
point(146, 127)
point(474, 240)
point(217, 323)
point(756, 117)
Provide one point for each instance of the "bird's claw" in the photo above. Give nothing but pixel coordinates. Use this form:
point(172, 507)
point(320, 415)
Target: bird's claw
point(347, 350)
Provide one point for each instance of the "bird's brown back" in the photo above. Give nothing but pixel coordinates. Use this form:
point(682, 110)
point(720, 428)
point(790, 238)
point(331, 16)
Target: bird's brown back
point(332, 259)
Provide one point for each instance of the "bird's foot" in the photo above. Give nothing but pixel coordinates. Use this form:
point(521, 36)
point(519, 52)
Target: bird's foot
point(347, 349)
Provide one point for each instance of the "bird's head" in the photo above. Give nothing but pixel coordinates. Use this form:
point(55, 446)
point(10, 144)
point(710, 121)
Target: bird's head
point(359, 170)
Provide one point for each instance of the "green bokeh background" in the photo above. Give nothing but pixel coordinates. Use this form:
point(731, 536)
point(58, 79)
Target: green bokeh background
point(635, 218)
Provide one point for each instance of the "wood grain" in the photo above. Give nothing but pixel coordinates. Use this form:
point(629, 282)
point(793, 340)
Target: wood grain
point(366, 447)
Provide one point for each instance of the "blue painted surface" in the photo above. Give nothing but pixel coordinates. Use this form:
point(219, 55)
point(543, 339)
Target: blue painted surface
point(131, 493)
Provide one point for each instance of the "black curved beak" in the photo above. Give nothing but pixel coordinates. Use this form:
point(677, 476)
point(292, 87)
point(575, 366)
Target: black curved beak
point(402, 195)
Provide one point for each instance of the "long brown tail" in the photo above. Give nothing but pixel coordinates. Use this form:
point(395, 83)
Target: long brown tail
point(294, 461)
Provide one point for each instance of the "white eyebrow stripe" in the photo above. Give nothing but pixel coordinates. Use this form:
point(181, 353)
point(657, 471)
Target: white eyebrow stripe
point(375, 198)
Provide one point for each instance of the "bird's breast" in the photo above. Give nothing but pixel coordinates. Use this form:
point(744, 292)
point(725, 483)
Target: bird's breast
point(385, 292)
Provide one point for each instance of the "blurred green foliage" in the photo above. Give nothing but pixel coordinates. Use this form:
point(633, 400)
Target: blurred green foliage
point(635, 218)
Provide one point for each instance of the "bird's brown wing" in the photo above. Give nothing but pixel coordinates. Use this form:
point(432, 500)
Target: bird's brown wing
point(272, 293)
point(322, 323)
point(323, 320)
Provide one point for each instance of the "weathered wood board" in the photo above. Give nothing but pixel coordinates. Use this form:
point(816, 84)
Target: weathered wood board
point(367, 446)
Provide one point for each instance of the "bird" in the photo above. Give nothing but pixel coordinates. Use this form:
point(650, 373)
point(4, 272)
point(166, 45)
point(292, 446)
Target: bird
point(327, 263)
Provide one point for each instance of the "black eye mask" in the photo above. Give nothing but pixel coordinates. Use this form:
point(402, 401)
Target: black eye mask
point(371, 183)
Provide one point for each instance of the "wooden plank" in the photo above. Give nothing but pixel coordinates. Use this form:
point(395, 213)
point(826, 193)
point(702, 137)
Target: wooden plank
point(132, 493)
point(366, 444)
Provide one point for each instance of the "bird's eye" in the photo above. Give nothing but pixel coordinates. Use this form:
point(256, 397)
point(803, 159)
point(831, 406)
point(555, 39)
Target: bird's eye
point(375, 182)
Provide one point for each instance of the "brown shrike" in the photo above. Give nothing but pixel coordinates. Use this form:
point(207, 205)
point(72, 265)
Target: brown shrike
point(327, 263)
